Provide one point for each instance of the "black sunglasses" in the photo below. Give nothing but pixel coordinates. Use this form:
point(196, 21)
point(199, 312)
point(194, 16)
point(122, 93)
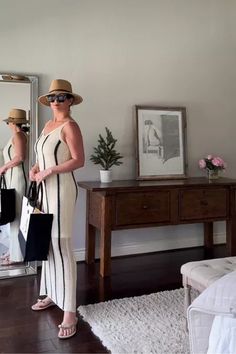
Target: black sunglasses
point(61, 97)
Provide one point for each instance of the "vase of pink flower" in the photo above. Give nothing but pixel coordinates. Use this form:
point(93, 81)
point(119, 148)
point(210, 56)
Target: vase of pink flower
point(213, 165)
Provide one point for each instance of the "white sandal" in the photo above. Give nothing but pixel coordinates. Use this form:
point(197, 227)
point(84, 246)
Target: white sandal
point(73, 327)
point(5, 256)
point(42, 304)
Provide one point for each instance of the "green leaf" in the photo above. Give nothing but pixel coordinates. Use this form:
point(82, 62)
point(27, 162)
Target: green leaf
point(105, 153)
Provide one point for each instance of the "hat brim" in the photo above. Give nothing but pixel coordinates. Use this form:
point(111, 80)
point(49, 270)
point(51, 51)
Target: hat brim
point(77, 98)
point(15, 120)
point(10, 77)
point(6, 77)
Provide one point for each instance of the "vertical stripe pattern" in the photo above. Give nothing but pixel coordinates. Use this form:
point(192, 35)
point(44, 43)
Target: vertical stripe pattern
point(15, 178)
point(58, 279)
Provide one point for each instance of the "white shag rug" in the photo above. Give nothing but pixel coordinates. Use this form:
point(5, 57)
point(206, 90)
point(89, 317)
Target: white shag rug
point(145, 324)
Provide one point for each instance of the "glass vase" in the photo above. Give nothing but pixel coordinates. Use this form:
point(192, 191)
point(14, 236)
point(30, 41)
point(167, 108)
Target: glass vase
point(212, 174)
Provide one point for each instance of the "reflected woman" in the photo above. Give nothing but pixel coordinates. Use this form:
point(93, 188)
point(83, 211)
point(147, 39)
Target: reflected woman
point(15, 155)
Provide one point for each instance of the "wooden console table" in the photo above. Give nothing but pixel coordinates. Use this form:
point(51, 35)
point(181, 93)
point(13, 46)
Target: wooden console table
point(133, 204)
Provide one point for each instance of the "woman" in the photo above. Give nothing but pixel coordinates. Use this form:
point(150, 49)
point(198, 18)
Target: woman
point(59, 151)
point(15, 156)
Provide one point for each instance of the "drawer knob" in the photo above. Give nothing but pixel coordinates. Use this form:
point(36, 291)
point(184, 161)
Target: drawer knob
point(145, 207)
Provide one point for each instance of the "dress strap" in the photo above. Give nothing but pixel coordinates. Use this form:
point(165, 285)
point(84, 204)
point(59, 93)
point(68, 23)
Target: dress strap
point(60, 129)
point(62, 126)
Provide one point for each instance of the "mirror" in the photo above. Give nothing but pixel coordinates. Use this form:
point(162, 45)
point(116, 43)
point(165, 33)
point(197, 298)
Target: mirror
point(21, 92)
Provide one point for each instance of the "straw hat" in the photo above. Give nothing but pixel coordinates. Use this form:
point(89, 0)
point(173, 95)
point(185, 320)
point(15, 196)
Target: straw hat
point(60, 86)
point(16, 116)
point(14, 77)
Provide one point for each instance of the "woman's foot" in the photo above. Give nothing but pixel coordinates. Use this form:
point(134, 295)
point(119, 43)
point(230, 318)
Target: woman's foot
point(68, 327)
point(5, 256)
point(67, 330)
point(6, 261)
point(42, 304)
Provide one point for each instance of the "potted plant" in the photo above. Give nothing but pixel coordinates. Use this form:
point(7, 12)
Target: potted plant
point(106, 155)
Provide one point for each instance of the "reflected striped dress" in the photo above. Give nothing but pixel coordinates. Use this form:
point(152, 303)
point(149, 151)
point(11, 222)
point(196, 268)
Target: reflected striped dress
point(15, 178)
point(58, 277)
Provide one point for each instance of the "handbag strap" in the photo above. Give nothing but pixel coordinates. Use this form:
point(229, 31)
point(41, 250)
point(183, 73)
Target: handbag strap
point(35, 195)
point(39, 203)
point(3, 184)
point(32, 192)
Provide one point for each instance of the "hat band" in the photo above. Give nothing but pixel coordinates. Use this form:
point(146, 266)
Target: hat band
point(61, 90)
point(17, 118)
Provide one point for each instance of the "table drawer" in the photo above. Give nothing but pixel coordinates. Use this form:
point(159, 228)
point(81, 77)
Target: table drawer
point(203, 203)
point(142, 208)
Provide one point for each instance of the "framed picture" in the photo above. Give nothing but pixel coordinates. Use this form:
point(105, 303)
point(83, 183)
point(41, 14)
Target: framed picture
point(161, 142)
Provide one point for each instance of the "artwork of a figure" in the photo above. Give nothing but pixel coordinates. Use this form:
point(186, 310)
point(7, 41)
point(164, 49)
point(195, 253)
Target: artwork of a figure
point(152, 139)
point(163, 141)
point(160, 142)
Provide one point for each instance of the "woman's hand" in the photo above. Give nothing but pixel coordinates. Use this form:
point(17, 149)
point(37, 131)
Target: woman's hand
point(41, 175)
point(32, 173)
point(3, 170)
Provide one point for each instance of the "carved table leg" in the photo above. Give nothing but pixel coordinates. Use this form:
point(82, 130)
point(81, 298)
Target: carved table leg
point(105, 288)
point(90, 236)
point(208, 239)
point(231, 236)
point(90, 243)
point(231, 225)
point(105, 238)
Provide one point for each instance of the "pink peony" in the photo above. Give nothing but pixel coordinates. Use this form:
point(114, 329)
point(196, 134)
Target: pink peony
point(202, 163)
point(221, 162)
point(218, 162)
point(214, 163)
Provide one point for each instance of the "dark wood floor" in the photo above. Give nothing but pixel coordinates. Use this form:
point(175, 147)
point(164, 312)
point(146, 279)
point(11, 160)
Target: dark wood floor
point(25, 331)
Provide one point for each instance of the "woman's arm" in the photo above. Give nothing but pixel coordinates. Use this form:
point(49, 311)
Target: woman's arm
point(72, 136)
point(35, 169)
point(20, 146)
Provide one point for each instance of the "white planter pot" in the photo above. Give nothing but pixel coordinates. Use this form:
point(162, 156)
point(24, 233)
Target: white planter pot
point(105, 176)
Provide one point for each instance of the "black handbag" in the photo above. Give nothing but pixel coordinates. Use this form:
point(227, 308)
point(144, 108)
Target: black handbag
point(7, 202)
point(35, 227)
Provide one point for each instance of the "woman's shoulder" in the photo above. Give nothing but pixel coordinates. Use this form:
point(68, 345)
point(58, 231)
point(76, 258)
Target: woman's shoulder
point(71, 128)
point(19, 136)
point(71, 124)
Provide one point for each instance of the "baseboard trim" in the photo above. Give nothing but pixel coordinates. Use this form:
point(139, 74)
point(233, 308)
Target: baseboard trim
point(151, 246)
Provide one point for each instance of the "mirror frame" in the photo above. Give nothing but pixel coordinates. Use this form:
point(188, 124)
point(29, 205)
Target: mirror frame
point(27, 268)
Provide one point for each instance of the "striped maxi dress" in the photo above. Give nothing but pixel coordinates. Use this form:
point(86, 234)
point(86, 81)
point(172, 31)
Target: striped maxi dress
point(58, 277)
point(16, 179)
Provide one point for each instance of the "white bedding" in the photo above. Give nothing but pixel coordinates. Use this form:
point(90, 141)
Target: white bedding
point(215, 305)
point(222, 338)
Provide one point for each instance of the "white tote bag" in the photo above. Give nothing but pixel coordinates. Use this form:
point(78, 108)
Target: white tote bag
point(26, 211)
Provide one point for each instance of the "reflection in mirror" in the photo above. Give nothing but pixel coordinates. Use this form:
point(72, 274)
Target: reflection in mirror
point(18, 133)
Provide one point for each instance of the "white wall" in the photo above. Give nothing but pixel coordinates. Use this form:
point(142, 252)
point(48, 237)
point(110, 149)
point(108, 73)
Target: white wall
point(118, 53)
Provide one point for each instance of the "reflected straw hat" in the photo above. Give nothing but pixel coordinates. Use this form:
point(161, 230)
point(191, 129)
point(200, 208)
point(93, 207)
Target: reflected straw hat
point(16, 116)
point(9, 77)
point(60, 86)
